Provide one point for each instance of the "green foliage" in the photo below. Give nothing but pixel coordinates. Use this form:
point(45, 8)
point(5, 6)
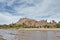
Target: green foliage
point(46, 26)
point(57, 25)
point(17, 26)
point(59, 21)
point(26, 26)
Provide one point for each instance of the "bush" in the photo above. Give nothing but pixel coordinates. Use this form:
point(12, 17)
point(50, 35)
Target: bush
point(46, 26)
point(57, 25)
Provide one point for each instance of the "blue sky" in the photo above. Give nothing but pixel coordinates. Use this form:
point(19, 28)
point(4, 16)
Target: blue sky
point(13, 10)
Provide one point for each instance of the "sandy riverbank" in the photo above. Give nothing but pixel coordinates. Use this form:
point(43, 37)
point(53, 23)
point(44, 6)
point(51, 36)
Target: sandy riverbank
point(33, 29)
point(39, 29)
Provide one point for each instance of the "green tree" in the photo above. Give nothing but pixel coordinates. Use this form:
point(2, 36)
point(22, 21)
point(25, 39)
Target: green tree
point(57, 25)
point(46, 26)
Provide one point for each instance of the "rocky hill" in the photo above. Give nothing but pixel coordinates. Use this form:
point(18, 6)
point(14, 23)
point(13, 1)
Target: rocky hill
point(32, 22)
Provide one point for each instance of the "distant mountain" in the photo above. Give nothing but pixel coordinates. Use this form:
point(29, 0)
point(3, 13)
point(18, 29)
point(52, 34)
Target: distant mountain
point(32, 22)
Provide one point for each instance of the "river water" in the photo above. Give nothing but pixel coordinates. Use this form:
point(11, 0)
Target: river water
point(39, 35)
point(8, 34)
point(30, 34)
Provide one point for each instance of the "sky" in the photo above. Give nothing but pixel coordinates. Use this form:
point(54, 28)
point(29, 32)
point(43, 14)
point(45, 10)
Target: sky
point(12, 10)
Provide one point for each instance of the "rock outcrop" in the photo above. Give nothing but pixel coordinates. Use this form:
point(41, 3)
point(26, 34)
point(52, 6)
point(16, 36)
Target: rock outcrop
point(31, 22)
point(27, 21)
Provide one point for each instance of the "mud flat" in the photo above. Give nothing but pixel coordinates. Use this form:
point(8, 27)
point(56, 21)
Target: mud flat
point(38, 34)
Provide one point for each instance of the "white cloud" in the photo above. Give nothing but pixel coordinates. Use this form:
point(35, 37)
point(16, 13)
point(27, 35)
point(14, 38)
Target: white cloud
point(7, 18)
point(41, 9)
point(37, 10)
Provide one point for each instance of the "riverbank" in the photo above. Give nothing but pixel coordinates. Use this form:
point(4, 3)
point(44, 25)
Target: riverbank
point(31, 29)
point(39, 29)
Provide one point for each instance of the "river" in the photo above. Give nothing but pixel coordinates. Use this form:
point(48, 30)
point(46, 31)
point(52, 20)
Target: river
point(30, 34)
point(8, 34)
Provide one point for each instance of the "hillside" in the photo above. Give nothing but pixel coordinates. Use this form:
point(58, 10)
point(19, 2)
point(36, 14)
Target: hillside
point(31, 23)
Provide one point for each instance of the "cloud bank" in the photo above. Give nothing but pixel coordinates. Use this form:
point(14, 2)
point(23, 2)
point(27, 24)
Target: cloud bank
point(13, 10)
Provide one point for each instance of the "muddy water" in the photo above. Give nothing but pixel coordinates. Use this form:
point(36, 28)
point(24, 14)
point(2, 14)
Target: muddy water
point(30, 34)
point(8, 34)
point(38, 35)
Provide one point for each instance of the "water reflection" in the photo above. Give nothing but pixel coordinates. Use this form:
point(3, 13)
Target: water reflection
point(30, 35)
point(8, 34)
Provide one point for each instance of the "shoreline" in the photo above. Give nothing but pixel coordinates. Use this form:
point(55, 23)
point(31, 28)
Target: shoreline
point(32, 29)
point(40, 29)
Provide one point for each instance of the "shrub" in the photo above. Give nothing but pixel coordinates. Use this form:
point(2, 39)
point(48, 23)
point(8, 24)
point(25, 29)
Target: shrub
point(57, 25)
